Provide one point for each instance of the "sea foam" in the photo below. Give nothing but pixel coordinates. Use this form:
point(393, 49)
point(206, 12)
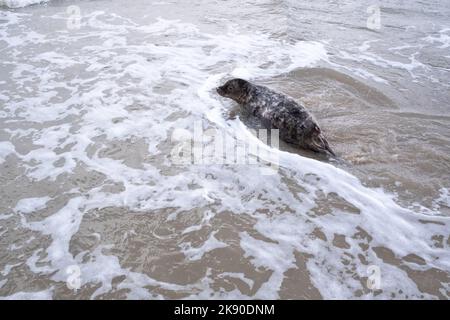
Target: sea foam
point(20, 3)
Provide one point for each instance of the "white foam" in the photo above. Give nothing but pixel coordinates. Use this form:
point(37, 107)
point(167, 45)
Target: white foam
point(6, 148)
point(443, 199)
point(205, 221)
point(443, 38)
point(30, 205)
point(379, 61)
point(32, 263)
point(271, 256)
point(5, 216)
point(240, 276)
point(196, 253)
point(38, 295)
point(20, 3)
point(103, 269)
point(8, 267)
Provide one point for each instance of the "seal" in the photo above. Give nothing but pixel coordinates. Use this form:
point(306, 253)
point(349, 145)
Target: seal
point(278, 111)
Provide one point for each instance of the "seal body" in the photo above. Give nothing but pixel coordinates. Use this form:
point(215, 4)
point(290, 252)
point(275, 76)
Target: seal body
point(278, 111)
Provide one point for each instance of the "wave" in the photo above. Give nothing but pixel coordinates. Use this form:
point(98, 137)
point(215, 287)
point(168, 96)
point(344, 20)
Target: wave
point(20, 3)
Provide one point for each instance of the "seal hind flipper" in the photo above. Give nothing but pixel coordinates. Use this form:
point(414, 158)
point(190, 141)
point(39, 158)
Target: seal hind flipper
point(320, 144)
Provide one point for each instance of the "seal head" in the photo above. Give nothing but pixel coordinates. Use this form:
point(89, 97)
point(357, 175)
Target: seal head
point(237, 89)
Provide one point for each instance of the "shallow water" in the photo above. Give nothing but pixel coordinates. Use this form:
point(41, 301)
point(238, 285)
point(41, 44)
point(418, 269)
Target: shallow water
point(92, 204)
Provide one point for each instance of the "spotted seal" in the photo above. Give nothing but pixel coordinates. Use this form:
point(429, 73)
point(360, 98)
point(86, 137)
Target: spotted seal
point(275, 110)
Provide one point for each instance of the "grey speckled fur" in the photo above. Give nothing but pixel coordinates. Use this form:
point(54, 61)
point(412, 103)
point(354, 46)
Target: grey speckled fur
point(275, 110)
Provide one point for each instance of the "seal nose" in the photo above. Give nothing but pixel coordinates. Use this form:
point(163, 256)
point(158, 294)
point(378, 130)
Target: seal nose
point(219, 90)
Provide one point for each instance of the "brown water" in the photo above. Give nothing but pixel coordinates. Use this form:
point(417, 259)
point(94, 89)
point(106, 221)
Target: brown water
point(93, 204)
